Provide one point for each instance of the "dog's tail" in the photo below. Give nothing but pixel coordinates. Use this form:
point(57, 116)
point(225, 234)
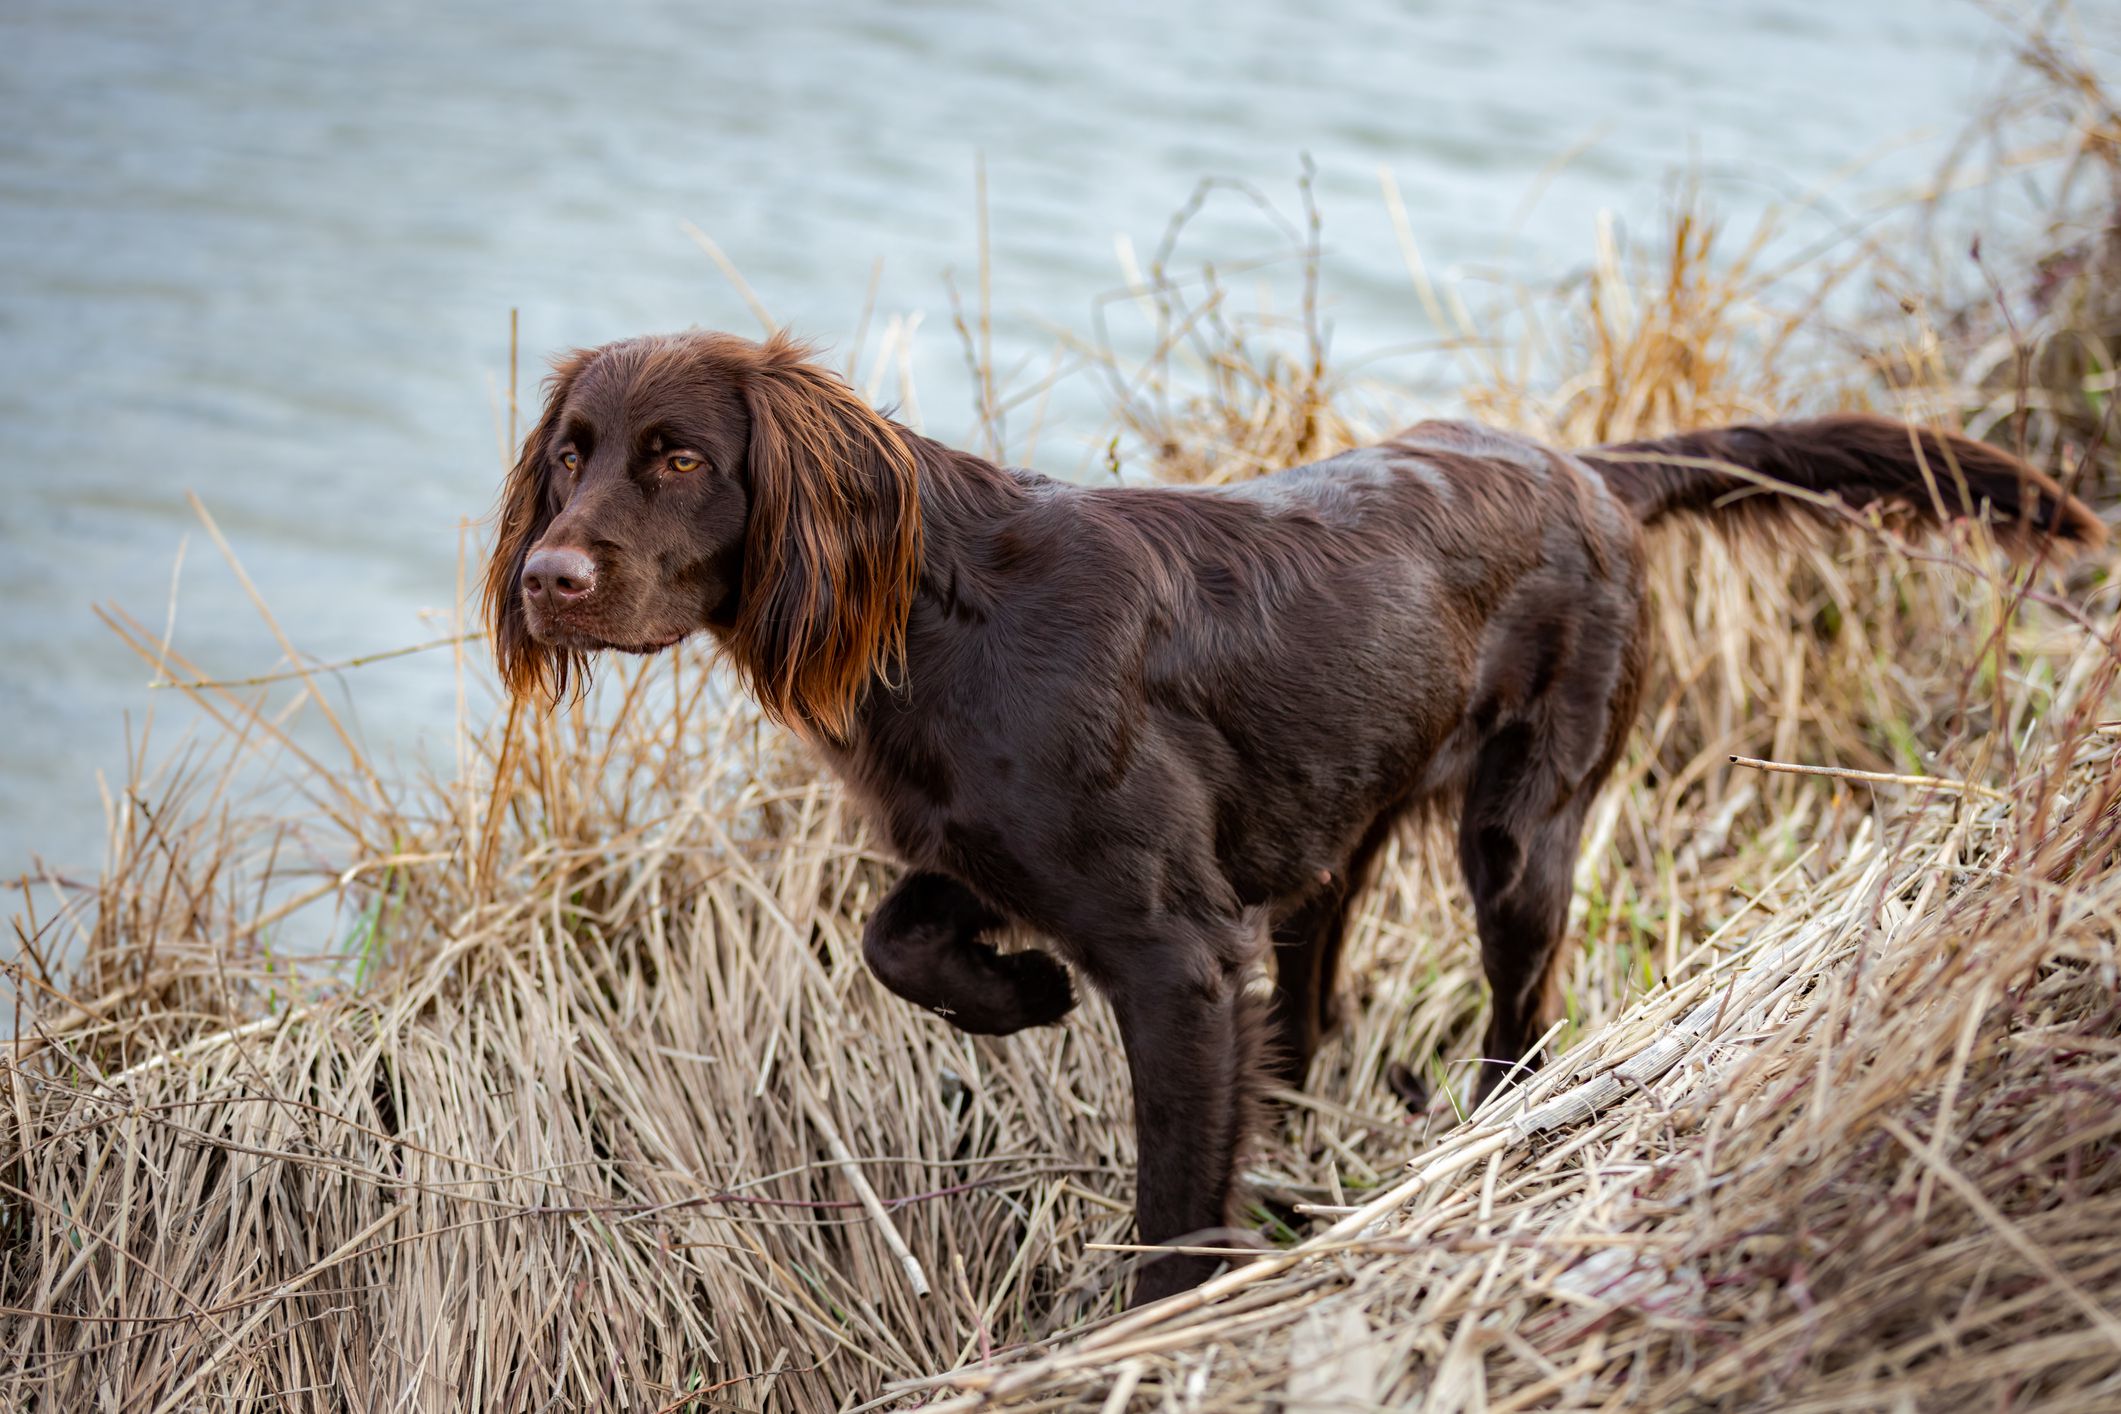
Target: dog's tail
point(1795, 470)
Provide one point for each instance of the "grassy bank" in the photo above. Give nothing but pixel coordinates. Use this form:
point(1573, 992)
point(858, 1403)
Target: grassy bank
point(592, 1104)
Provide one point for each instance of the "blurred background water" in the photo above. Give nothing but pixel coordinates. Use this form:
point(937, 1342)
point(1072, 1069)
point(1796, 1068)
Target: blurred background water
point(267, 252)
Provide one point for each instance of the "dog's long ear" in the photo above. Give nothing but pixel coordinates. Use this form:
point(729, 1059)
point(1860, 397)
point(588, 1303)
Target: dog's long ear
point(526, 508)
point(833, 551)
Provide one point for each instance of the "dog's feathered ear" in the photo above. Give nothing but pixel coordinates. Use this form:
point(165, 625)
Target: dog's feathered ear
point(833, 551)
point(525, 510)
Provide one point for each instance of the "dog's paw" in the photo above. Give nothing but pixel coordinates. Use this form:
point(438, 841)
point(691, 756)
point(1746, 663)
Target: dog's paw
point(1002, 993)
point(1044, 991)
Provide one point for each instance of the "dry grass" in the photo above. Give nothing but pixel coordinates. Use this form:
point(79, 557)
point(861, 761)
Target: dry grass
point(582, 1098)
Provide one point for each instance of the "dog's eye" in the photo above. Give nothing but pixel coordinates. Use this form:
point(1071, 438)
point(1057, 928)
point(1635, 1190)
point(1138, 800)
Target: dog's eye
point(682, 463)
point(571, 460)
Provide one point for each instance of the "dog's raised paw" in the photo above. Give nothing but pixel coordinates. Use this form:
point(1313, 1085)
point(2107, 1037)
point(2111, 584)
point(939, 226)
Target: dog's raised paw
point(1044, 991)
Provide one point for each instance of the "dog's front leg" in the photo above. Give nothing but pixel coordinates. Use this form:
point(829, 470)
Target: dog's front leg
point(1192, 1040)
point(923, 943)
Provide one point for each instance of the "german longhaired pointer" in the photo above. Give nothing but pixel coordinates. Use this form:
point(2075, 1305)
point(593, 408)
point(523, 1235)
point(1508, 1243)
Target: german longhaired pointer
point(1167, 728)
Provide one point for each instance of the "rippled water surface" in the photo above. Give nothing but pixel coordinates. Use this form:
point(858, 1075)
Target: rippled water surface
point(266, 252)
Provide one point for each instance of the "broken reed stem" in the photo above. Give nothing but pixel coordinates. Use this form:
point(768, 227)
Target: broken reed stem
point(1170, 1248)
point(191, 1049)
point(266, 679)
point(1882, 778)
point(851, 1168)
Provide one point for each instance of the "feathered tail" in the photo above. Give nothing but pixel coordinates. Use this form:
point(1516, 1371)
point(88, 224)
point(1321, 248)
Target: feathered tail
point(1859, 458)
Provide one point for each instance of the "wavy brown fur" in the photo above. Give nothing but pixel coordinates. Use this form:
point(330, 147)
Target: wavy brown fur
point(831, 547)
point(833, 553)
point(1861, 459)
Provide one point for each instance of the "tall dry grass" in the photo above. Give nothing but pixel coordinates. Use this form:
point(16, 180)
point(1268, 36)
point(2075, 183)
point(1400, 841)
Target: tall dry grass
point(581, 1097)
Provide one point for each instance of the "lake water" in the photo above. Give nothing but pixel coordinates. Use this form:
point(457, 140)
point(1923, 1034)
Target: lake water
point(267, 252)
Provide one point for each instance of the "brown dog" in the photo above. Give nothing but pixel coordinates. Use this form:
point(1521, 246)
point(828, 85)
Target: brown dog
point(1166, 728)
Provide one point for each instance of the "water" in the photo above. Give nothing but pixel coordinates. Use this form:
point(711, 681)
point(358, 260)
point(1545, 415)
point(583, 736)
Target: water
point(267, 252)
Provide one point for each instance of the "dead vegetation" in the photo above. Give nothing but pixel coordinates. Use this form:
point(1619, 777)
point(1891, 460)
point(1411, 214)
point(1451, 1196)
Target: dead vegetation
point(581, 1098)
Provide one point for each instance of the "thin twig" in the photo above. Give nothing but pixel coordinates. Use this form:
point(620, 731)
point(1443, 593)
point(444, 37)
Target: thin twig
point(852, 1168)
point(199, 684)
point(1882, 778)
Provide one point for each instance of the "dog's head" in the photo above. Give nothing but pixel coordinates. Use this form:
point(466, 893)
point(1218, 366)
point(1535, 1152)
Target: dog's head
point(704, 482)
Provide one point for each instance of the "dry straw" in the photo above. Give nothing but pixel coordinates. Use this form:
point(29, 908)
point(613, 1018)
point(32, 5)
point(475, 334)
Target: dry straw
point(582, 1099)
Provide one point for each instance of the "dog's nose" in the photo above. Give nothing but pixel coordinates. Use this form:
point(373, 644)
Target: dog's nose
point(559, 576)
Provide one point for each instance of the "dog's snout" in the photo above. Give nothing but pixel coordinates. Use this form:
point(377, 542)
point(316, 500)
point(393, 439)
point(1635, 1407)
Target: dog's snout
point(559, 576)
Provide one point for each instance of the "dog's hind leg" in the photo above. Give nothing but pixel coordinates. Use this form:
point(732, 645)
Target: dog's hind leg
point(1518, 849)
point(1306, 956)
point(923, 943)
